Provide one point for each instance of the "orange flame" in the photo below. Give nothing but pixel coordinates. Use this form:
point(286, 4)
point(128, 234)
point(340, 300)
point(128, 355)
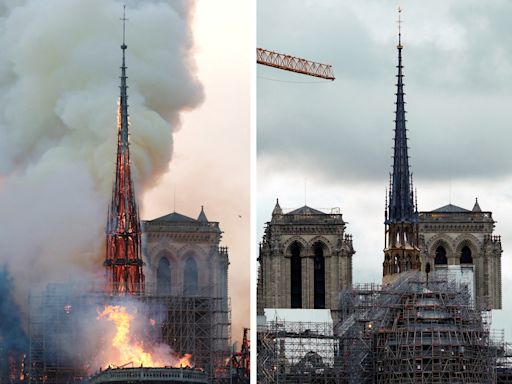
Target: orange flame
point(126, 349)
point(184, 361)
point(22, 369)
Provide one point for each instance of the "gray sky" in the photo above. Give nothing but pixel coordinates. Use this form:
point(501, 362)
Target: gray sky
point(335, 138)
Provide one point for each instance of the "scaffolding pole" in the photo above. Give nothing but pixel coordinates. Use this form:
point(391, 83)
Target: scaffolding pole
point(405, 332)
point(197, 325)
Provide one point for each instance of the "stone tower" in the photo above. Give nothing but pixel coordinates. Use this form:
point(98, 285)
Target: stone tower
point(401, 252)
point(305, 259)
point(183, 257)
point(461, 243)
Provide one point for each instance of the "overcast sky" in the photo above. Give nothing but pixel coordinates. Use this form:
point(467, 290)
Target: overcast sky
point(334, 139)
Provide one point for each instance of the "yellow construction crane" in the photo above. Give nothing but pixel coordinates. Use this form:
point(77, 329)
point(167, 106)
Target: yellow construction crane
point(294, 64)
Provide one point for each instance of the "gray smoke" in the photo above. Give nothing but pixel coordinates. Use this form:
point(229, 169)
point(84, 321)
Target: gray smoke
point(59, 78)
point(13, 339)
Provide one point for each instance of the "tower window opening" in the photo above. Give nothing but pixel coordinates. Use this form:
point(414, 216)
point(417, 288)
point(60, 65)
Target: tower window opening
point(440, 256)
point(319, 277)
point(163, 277)
point(190, 286)
point(465, 256)
point(296, 277)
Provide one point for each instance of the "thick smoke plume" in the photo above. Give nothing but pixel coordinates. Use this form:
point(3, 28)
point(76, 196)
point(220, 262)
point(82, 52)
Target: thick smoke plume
point(13, 340)
point(59, 78)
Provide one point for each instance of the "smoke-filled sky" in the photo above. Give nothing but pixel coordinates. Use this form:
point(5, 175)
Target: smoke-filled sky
point(334, 139)
point(59, 78)
point(210, 164)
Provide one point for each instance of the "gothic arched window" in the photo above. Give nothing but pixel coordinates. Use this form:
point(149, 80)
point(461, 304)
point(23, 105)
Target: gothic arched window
point(190, 286)
point(440, 256)
point(163, 277)
point(296, 277)
point(465, 256)
point(319, 276)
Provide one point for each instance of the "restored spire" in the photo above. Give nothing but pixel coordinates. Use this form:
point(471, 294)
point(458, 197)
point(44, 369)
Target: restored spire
point(401, 252)
point(123, 260)
point(401, 196)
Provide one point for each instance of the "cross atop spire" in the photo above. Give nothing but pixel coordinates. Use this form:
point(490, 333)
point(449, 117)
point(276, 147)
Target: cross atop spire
point(124, 19)
point(399, 21)
point(401, 196)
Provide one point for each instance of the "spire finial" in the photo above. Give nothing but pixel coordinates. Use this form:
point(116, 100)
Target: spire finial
point(124, 19)
point(123, 88)
point(202, 216)
point(399, 21)
point(277, 209)
point(476, 207)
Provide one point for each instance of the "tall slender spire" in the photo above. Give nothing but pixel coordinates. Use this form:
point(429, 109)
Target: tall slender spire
point(401, 252)
point(123, 260)
point(123, 100)
point(401, 195)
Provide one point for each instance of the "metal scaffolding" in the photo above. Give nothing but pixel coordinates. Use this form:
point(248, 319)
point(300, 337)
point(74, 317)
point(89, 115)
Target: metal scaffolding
point(410, 331)
point(297, 352)
point(197, 325)
point(504, 361)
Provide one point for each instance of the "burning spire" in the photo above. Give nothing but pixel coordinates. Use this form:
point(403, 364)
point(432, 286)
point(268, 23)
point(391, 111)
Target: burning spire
point(123, 261)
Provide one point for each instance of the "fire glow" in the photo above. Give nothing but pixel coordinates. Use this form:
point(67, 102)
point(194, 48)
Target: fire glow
point(126, 348)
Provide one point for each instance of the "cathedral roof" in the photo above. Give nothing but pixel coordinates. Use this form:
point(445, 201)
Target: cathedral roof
point(305, 210)
point(450, 208)
point(175, 217)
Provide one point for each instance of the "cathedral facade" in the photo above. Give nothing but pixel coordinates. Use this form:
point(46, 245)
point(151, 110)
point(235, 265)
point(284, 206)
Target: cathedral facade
point(305, 260)
point(461, 242)
point(183, 257)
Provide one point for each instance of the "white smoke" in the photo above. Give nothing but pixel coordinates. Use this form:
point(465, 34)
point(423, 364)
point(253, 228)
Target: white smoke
point(59, 79)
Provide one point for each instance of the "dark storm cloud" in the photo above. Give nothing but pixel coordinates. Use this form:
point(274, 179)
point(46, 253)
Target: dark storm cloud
point(458, 68)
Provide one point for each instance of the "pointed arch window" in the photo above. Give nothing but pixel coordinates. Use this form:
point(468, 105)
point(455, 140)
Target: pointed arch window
point(295, 277)
point(319, 276)
point(465, 255)
point(440, 256)
point(190, 285)
point(163, 277)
